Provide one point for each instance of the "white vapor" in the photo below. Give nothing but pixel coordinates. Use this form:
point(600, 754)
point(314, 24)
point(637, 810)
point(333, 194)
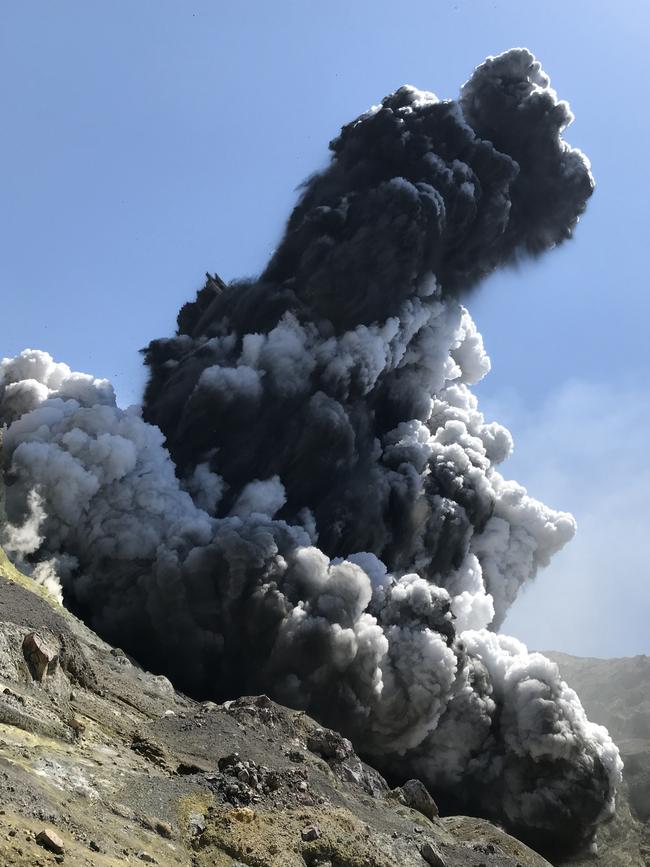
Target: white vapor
point(309, 502)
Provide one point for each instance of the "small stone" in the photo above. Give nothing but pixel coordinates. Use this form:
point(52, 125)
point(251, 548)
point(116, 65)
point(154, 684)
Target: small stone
point(196, 821)
point(77, 726)
point(273, 781)
point(94, 846)
point(186, 769)
point(50, 840)
point(164, 829)
point(431, 855)
point(227, 761)
point(311, 832)
point(169, 712)
point(146, 856)
point(296, 756)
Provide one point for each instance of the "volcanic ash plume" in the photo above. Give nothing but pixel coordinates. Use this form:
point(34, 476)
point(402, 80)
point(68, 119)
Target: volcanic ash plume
point(328, 524)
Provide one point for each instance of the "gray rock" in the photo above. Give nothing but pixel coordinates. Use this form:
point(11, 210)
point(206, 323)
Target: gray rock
point(329, 744)
point(432, 856)
point(296, 756)
point(50, 840)
point(415, 795)
point(196, 822)
point(41, 655)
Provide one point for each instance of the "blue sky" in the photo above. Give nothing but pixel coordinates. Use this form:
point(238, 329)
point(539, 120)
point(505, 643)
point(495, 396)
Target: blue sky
point(147, 142)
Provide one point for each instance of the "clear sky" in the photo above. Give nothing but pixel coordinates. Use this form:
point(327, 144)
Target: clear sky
point(146, 142)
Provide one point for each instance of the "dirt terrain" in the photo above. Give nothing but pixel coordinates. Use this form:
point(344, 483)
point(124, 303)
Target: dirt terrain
point(102, 763)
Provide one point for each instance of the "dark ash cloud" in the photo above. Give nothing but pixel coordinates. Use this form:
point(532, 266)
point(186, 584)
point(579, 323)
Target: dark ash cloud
point(328, 524)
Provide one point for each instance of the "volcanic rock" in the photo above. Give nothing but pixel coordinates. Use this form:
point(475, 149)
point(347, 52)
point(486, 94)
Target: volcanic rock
point(49, 839)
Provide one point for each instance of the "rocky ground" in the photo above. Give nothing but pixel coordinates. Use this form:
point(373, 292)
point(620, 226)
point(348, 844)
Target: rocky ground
point(102, 763)
point(616, 693)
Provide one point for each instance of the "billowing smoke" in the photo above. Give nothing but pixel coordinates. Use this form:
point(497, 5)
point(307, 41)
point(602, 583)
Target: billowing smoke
point(321, 517)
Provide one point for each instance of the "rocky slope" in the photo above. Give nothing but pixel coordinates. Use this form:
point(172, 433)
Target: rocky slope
point(616, 693)
point(102, 763)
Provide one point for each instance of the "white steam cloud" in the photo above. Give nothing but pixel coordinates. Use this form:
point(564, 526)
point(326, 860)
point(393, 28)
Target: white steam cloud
point(332, 528)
